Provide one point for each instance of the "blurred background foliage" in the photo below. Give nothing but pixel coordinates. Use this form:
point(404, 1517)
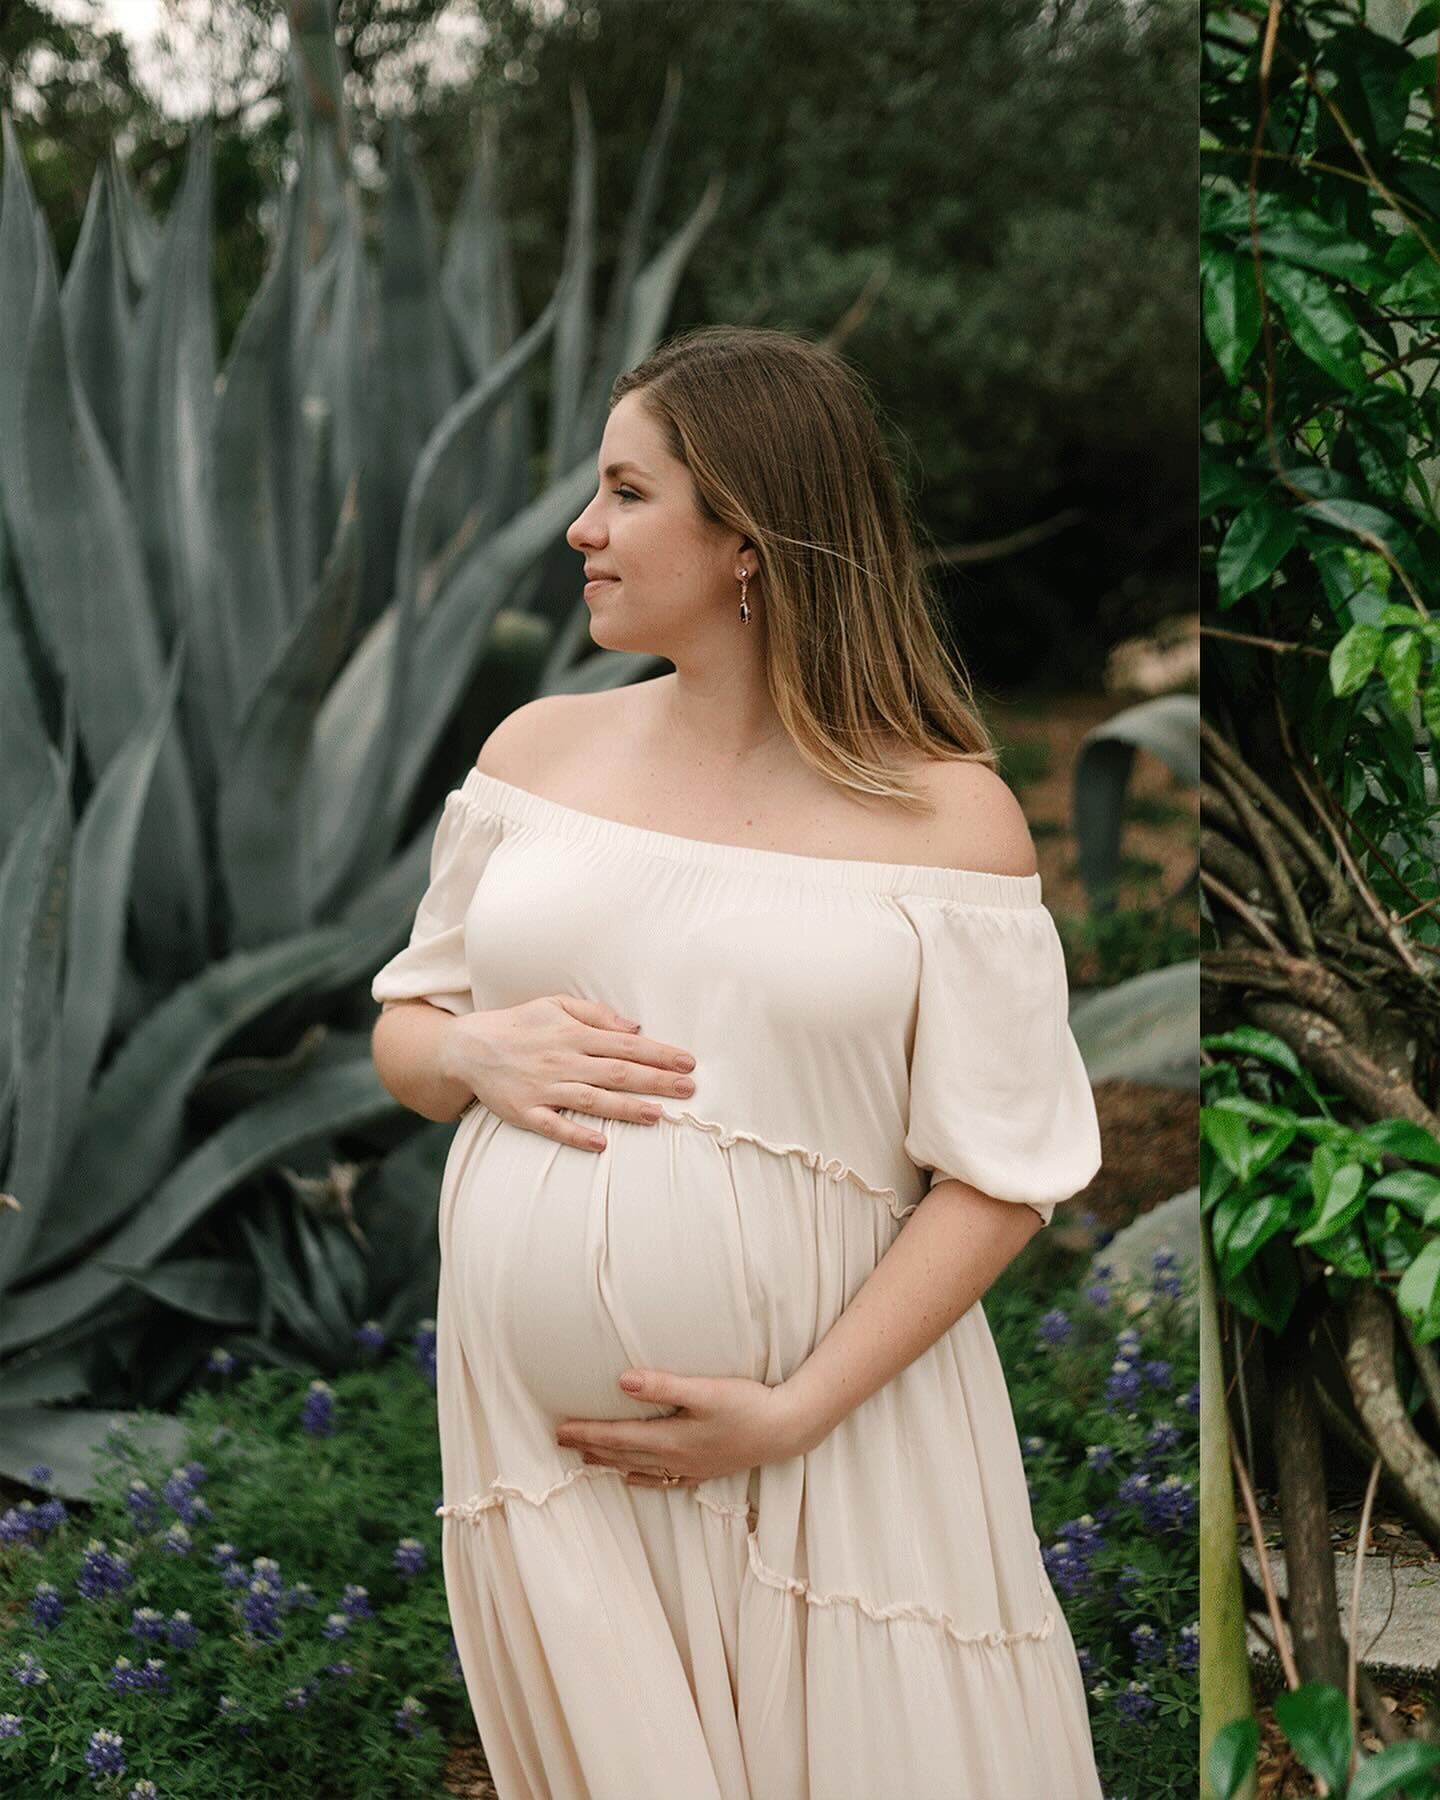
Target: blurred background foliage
point(996, 203)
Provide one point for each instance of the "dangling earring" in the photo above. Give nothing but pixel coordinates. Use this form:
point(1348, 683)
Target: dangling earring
point(744, 607)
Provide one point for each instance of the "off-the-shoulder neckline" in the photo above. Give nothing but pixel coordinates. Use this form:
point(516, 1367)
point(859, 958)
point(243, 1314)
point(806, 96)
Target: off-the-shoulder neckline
point(976, 887)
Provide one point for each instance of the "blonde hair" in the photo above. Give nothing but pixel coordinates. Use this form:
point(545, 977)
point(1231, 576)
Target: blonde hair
point(783, 444)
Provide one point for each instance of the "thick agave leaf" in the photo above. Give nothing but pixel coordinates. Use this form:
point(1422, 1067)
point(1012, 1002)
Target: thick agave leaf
point(263, 818)
point(477, 280)
point(35, 1022)
point(203, 1287)
point(52, 1374)
point(318, 92)
point(1169, 727)
point(18, 275)
point(103, 873)
point(262, 514)
point(70, 1440)
point(285, 1297)
point(22, 876)
point(638, 222)
point(325, 1100)
point(170, 402)
point(339, 349)
point(96, 302)
point(1146, 1029)
point(25, 761)
point(132, 1121)
point(102, 633)
point(414, 378)
point(326, 1292)
point(139, 234)
point(577, 278)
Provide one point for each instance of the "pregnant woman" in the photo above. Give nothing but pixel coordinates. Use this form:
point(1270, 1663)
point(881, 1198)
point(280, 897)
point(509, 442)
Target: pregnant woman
point(734, 1507)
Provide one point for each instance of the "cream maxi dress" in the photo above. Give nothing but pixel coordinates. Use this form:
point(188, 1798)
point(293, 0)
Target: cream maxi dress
point(871, 1620)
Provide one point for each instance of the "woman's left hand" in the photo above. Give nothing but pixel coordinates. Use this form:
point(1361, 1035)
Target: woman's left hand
point(726, 1423)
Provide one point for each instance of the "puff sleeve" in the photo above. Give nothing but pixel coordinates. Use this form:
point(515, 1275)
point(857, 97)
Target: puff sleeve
point(999, 1094)
point(433, 965)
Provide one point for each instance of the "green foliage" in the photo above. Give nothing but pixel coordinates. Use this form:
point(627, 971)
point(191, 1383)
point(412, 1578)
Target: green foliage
point(1316, 1721)
point(249, 1710)
point(1103, 1377)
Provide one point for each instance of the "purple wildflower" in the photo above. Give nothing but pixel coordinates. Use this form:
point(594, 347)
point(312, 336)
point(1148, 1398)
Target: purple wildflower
point(1187, 1648)
point(408, 1717)
point(1162, 1437)
point(180, 1493)
point(336, 1626)
point(1164, 1258)
point(1135, 1702)
point(144, 1506)
point(1099, 1456)
point(144, 1790)
point(1157, 1373)
point(46, 1608)
point(1167, 1286)
point(105, 1755)
point(425, 1349)
point(1191, 1401)
point(146, 1623)
point(1149, 1645)
point(28, 1672)
point(177, 1540)
point(409, 1556)
point(371, 1335)
point(11, 1725)
point(1123, 1387)
point(317, 1416)
point(41, 1475)
point(340, 1669)
point(1055, 1327)
point(1098, 1294)
point(182, 1632)
point(101, 1571)
point(356, 1601)
point(297, 1698)
point(259, 1610)
point(220, 1361)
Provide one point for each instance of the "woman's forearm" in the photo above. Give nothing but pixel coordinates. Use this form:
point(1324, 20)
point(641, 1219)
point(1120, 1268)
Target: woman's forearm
point(404, 1047)
point(945, 1256)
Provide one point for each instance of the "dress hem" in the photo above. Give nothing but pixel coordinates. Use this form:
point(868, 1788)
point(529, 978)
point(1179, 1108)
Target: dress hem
point(473, 1511)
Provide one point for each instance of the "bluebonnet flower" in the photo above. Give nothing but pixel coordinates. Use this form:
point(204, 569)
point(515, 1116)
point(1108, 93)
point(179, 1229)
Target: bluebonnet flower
point(356, 1601)
point(41, 1475)
point(317, 1416)
point(105, 1754)
point(1103, 1271)
point(220, 1361)
point(46, 1608)
point(1157, 1373)
point(409, 1556)
point(1055, 1327)
point(1162, 1437)
point(1149, 1645)
point(125, 1678)
point(1191, 1401)
point(1067, 1560)
point(1135, 1702)
point(1127, 1578)
point(297, 1698)
point(1168, 1287)
point(1099, 1456)
point(28, 1672)
point(268, 1567)
point(1164, 1258)
point(1098, 1294)
point(229, 1708)
point(1086, 1661)
point(1123, 1386)
point(340, 1669)
point(300, 1594)
point(146, 1623)
point(1032, 1446)
point(259, 1610)
point(182, 1632)
point(50, 1514)
point(336, 1626)
point(1187, 1648)
point(180, 1493)
point(1164, 1505)
point(1127, 1343)
point(408, 1717)
point(18, 1523)
point(101, 1571)
point(144, 1507)
point(223, 1554)
point(177, 1540)
point(370, 1335)
point(144, 1790)
point(425, 1349)
point(11, 1725)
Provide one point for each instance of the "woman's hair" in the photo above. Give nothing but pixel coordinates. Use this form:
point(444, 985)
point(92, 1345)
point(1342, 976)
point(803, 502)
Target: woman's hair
point(783, 444)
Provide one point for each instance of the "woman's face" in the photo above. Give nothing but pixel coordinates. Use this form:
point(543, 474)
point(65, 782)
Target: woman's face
point(664, 573)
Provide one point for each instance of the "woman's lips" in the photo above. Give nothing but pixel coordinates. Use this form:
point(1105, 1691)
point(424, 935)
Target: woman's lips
point(593, 587)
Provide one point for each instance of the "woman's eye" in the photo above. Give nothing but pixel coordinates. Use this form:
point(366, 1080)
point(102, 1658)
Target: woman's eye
point(624, 491)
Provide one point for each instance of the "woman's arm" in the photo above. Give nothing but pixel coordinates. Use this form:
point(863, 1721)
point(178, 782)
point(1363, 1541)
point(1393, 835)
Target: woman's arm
point(948, 1252)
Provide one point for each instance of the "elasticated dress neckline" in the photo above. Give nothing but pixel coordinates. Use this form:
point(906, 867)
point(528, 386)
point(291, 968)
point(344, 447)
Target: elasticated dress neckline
point(971, 887)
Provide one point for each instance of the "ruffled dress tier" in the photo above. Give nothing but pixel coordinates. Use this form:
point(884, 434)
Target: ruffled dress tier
point(871, 1618)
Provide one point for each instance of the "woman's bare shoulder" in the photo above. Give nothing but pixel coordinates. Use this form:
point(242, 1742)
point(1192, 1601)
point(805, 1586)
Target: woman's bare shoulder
point(978, 823)
point(543, 731)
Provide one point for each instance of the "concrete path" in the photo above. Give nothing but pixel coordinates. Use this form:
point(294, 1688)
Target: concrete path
point(1399, 1610)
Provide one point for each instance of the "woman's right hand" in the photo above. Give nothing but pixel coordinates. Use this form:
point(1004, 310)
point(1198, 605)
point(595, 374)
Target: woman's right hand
point(524, 1062)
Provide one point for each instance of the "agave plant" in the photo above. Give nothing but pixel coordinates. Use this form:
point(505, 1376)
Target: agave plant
point(241, 612)
point(1145, 1029)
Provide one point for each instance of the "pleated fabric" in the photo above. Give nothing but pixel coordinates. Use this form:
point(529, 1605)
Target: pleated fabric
point(871, 1618)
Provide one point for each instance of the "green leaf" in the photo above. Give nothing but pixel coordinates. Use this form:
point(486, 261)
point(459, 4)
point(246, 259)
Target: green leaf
point(1396, 1764)
point(1320, 322)
point(1418, 1192)
point(1402, 1138)
point(1400, 666)
point(1416, 1294)
point(1242, 1226)
point(1316, 1720)
point(1341, 1201)
point(1430, 708)
point(1232, 1757)
point(1231, 306)
point(1353, 658)
point(1253, 547)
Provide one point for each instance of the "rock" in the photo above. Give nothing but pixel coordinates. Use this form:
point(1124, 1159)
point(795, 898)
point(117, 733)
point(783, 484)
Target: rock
point(1173, 1225)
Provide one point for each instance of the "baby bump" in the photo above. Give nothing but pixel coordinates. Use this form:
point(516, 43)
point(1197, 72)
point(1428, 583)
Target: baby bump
point(669, 1249)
